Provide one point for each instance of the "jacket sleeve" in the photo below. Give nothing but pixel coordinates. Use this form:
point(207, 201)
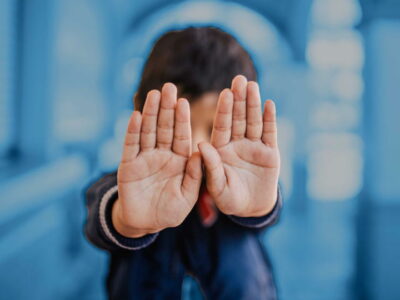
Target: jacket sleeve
point(264, 221)
point(100, 197)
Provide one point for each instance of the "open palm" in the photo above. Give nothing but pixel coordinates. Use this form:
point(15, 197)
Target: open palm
point(158, 179)
point(242, 161)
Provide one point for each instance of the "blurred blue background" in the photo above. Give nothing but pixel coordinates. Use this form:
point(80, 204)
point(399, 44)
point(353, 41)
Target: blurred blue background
point(69, 68)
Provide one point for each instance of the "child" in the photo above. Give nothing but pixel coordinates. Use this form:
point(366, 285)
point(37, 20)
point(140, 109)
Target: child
point(181, 205)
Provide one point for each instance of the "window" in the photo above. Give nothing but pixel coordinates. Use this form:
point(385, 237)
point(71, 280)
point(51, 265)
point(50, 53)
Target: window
point(335, 54)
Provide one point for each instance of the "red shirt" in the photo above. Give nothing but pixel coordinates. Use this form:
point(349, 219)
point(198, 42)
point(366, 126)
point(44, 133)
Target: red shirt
point(206, 208)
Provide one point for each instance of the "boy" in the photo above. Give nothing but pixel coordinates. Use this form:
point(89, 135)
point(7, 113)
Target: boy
point(181, 205)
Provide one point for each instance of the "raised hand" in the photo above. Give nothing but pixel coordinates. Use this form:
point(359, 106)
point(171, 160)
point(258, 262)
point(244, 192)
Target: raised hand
point(242, 162)
point(158, 178)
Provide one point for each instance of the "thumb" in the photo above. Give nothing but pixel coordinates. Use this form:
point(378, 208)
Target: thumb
point(215, 174)
point(192, 178)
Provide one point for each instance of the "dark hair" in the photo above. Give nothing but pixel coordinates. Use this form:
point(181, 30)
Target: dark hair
point(197, 60)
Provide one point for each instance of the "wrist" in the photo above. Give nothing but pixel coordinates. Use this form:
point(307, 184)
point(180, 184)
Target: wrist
point(261, 213)
point(265, 210)
point(120, 226)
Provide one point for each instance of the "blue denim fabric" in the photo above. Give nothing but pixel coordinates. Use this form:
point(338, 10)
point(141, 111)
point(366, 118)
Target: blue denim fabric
point(228, 261)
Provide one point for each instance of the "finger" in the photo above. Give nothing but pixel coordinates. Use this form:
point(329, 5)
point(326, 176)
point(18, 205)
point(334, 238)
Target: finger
point(215, 174)
point(270, 135)
point(239, 87)
point(132, 137)
point(149, 121)
point(192, 178)
point(254, 124)
point(182, 143)
point(221, 133)
point(165, 124)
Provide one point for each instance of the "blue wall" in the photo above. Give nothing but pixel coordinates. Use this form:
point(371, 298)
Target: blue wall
point(379, 235)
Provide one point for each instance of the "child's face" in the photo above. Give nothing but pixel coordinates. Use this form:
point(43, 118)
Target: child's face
point(202, 116)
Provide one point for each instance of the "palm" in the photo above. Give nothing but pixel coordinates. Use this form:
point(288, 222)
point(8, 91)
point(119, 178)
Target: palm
point(157, 188)
point(158, 180)
point(243, 159)
point(251, 169)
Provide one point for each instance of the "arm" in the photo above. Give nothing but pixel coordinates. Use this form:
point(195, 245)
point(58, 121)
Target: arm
point(242, 161)
point(158, 178)
point(99, 228)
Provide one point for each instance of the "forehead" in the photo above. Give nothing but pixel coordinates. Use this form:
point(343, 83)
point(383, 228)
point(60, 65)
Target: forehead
point(204, 105)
